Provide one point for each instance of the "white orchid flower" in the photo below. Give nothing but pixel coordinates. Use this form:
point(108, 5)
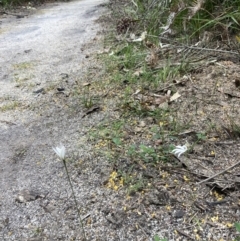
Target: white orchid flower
point(60, 151)
point(179, 150)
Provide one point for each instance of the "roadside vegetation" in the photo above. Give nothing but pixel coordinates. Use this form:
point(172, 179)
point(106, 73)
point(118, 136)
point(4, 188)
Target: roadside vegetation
point(10, 4)
point(172, 86)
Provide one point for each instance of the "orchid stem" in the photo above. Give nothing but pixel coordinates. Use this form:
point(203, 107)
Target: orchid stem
point(75, 200)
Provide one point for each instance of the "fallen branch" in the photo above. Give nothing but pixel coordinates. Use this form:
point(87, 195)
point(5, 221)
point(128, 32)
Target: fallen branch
point(219, 173)
point(91, 110)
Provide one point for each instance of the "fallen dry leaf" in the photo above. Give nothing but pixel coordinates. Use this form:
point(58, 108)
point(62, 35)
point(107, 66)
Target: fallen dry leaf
point(175, 96)
point(86, 84)
point(137, 91)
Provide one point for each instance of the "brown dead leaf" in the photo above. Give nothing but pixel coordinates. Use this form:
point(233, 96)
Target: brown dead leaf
point(175, 96)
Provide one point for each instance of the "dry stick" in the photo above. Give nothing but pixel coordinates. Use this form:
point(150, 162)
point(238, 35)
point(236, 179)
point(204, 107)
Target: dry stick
point(184, 234)
point(220, 173)
point(208, 49)
point(175, 44)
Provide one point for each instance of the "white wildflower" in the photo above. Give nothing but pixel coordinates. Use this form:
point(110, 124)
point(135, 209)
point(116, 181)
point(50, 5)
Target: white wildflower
point(179, 150)
point(60, 151)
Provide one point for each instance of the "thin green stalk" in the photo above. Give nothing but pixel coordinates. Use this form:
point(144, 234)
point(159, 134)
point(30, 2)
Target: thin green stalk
point(75, 200)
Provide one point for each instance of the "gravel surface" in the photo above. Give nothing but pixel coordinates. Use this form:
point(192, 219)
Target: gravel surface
point(42, 59)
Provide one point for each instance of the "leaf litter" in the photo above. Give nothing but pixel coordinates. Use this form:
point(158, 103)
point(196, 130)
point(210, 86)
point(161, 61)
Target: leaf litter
point(194, 196)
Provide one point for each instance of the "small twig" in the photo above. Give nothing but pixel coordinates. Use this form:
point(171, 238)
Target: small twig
point(217, 202)
point(225, 143)
point(175, 44)
point(211, 224)
point(91, 110)
point(184, 234)
point(208, 49)
point(142, 230)
point(86, 216)
point(220, 173)
point(194, 215)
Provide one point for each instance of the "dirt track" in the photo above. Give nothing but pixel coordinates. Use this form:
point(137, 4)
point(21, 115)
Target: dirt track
point(42, 57)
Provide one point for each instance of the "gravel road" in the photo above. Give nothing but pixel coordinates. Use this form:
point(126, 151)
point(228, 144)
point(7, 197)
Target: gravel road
point(42, 57)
